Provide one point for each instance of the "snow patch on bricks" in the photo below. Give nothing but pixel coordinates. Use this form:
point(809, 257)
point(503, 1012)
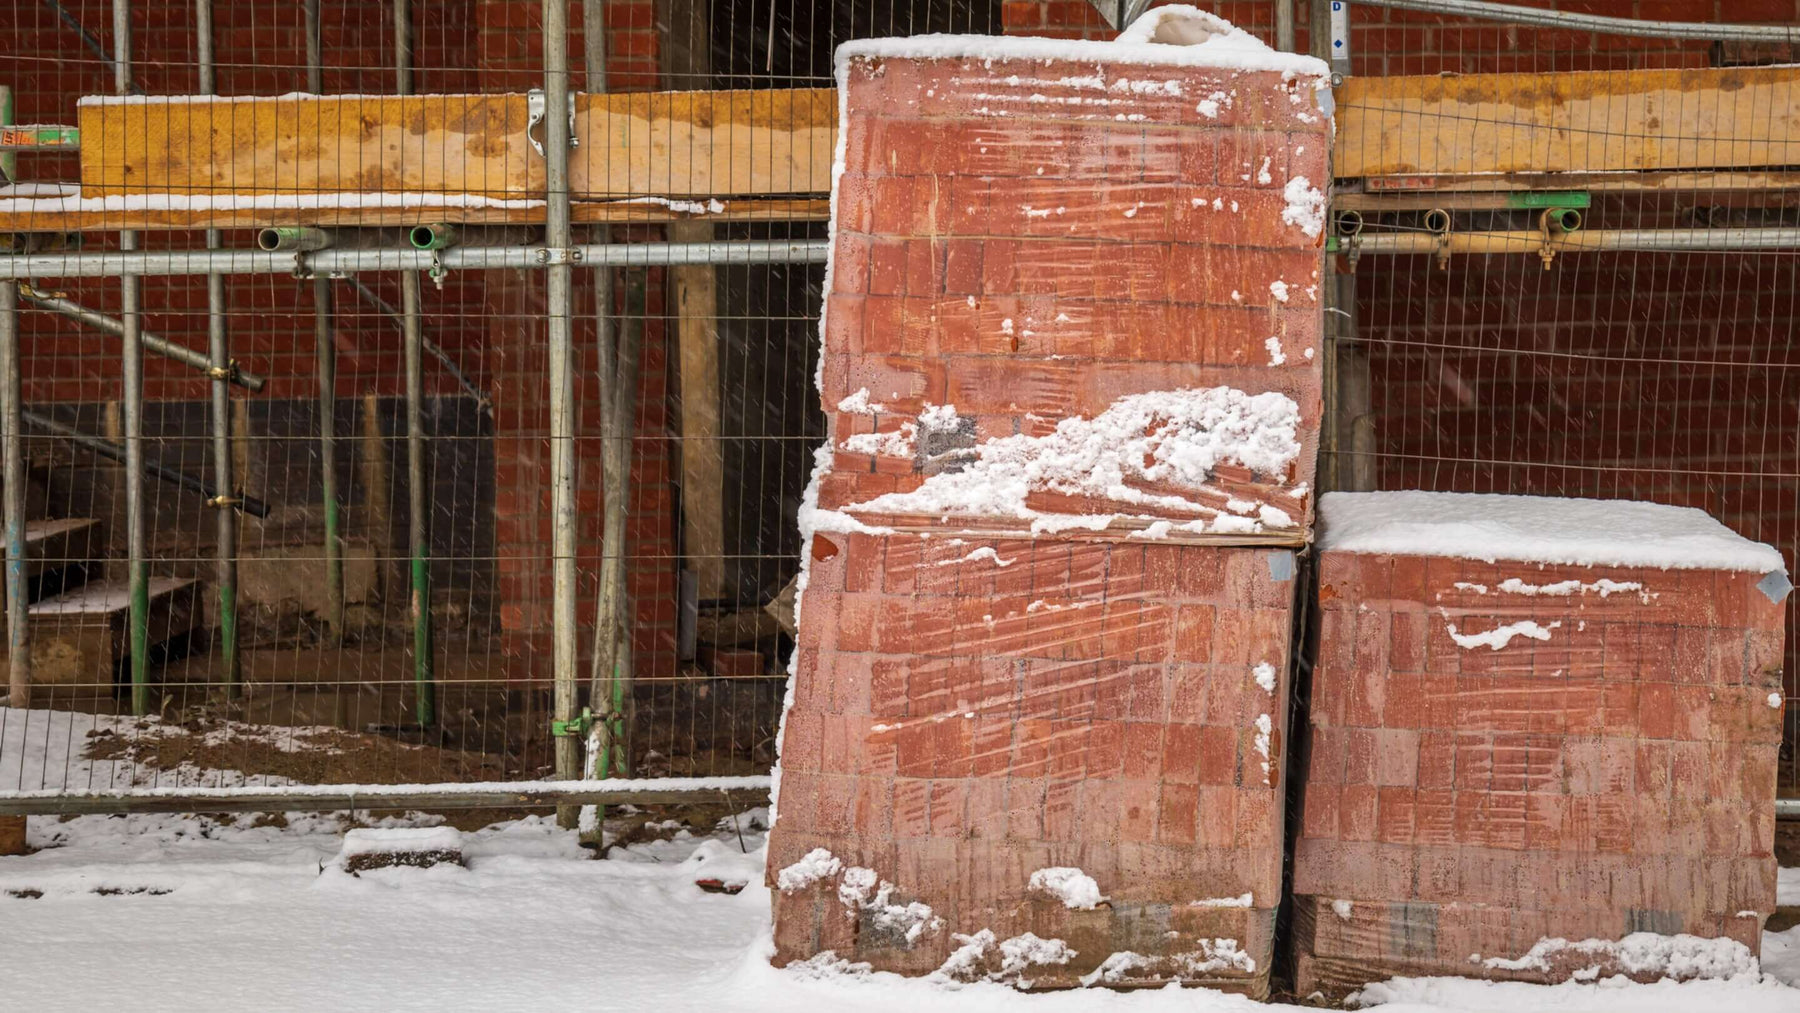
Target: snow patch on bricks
point(1177, 35)
point(1500, 636)
point(1305, 207)
point(862, 890)
point(1076, 889)
point(1170, 440)
point(984, 957)
point(815, 865)
point(1245, 899)
point(1640, 953)
point(1264, 674)
point(1212, 957)
point(1536, 529)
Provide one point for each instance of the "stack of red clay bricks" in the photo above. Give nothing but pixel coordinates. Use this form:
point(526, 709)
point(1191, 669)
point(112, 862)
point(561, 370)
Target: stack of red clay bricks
point(1039, 701)
point(1543, 741)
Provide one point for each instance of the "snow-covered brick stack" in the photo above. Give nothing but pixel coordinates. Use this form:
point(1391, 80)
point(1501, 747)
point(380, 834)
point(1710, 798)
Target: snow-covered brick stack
point(1540, 729)
point(368, 848)
point(1036, 730)
point(1074, 285)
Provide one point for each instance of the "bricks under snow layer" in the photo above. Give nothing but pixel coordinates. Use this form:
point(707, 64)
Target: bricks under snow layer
point(1506, 758)
point(1036, 726)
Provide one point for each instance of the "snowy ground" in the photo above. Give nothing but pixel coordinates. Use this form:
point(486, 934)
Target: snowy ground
point(223, 914)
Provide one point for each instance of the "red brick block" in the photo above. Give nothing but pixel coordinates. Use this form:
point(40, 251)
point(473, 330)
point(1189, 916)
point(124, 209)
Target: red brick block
point(1600, 770)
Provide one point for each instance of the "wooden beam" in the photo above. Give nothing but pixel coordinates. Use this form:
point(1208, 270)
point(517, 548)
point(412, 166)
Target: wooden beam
point(52, 215)
point(1637, 120)
point(687, 59)
point(308, 145)
point(705, 143)
point(675, 144)
point(702, 464)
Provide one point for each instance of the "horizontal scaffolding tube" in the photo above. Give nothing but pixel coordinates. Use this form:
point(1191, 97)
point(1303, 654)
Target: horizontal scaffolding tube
point(1586, 240)
point(317, 797)
point(457, 258)
point(113, 452)
point(161, 346)
point(1593, 22)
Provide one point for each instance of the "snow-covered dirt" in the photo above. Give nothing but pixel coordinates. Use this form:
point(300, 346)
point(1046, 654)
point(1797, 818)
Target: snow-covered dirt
point(182, 913)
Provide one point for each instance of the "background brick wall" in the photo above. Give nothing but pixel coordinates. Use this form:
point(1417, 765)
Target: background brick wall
point(489, 323)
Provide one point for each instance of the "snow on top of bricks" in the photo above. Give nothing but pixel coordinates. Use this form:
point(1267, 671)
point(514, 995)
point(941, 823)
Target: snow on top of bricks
point(1176, 36)
point(1144, 450)
point(1536, 529)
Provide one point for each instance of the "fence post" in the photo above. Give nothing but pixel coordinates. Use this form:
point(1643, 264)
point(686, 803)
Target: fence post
point(131, 359)
point(18, 616)
point(559, 239)
point(218, 345)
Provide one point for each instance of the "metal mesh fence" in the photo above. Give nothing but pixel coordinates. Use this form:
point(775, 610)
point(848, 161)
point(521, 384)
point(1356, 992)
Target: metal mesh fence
point(387, 456)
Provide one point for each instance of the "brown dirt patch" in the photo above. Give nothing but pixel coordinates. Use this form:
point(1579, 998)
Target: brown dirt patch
point(309, 756)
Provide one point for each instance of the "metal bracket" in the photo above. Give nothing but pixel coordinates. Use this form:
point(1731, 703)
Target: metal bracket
point(575, 727)
point(559, 255)
point(536, 107)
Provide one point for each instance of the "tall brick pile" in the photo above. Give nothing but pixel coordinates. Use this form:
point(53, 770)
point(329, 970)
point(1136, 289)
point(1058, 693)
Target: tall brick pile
point(1037, 723)
point(1513, 766)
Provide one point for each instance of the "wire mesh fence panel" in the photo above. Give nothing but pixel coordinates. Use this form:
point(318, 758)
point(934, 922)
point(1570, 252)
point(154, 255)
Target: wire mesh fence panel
point(1651, 365)
point(380, 603)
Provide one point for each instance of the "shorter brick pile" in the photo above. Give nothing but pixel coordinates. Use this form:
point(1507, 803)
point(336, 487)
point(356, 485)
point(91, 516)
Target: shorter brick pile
point(1515, 765)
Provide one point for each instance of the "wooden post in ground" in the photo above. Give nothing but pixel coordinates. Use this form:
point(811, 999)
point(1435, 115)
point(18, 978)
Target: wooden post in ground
point(687, 65)
point(702, 463)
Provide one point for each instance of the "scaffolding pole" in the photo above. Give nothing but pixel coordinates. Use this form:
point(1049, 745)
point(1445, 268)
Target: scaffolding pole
point(326, 353)
point(335, 261)
point(153, 344)
point(131, 359)
point(218, 345)
point(418, 493)
point(559, 305)
point(18, 616)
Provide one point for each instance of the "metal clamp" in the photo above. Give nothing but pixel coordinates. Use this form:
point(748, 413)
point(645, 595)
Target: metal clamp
point(559, 255)
point(576, 728)
point(536, 107)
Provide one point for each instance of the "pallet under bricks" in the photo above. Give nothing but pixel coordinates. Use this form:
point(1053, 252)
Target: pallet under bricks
point(1028, 237)
point(1610, 771)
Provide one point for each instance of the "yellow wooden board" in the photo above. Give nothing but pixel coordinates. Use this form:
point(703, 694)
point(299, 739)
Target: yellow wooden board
point(308, 145)
point(705, 143)
point(1638, 120)
point(55, 216)
point(740, 146)
point(669, 144)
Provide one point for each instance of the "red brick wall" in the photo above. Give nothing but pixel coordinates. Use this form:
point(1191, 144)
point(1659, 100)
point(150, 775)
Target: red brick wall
point(1393, 42)
point(1617, 776)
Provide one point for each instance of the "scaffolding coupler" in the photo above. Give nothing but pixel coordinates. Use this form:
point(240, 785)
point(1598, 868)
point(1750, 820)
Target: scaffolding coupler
point(576, 727)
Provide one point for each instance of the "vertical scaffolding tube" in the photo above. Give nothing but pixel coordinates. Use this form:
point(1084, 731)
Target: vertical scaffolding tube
point(18, 630)
point(418, 493)
point(327, 368)
point(132, 365)
point(601, 670)
point(218, 342)
point(558, 237)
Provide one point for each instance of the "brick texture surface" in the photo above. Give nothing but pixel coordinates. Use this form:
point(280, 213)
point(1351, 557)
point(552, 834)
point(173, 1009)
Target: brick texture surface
point(957, 725)
point(1616, 776)
point(1009, 246)
point(1029, 247)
